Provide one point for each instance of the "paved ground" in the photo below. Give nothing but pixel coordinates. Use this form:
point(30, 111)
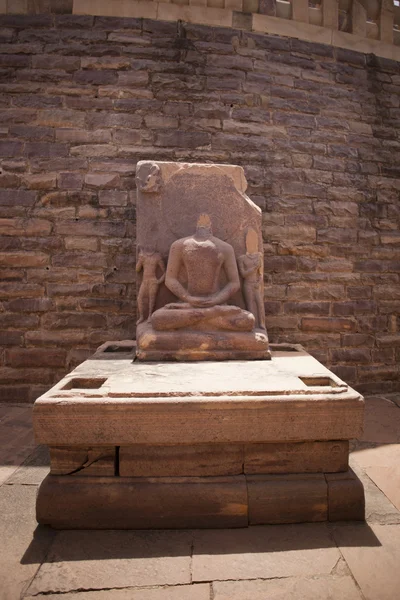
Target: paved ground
point(343, 561)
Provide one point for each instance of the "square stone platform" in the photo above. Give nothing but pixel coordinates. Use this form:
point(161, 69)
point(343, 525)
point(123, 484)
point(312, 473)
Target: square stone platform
point(199, 444)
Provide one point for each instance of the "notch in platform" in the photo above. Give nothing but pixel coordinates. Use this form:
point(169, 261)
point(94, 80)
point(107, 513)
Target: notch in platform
point(319, 381)
point(84, 383)
point(116, 348)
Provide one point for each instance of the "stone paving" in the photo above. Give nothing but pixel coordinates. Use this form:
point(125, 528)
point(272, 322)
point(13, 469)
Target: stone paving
point(318, 561)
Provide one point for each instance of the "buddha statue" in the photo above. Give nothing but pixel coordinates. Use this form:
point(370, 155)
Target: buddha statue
point(205, 261)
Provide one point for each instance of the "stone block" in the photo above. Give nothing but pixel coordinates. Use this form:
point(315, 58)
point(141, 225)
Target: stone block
point(74, 460)
point(287, 498)
point(35, 357)
point(197, 403)
point(300, 11)
point(116, 8)
point(217, 17)
point(303, 457)
point(328, 324)
point(345, 497)
point(142, 503)
point(286, 587)
point(180, 461)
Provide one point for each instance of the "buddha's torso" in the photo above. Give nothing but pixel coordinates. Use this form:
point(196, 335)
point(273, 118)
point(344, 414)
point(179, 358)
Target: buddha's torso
point(202, 260)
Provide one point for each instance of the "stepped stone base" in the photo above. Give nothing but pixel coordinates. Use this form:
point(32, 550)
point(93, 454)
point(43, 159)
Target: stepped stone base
point(138, 445)
point(200, 345)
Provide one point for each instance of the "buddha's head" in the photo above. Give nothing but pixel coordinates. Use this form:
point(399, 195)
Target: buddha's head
point(203, 226)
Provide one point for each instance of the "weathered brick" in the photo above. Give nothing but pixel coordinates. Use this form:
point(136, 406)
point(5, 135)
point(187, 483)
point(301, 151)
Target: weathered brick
point(11, 338)
point(351, 355)
point(48, 61)
point(17, 197)
point(390, 341)
point(86, 228)
point(306, 308)
point(60, 118)
point(94, 150)
point(301, 234)
point(113, 198)
point(69, 181)
point(356, 292)
point(17, 290)
point(78, 136)
point(24, 259)
point(29, 305)
point(67, 20)
point(183, 139)
point(96, 77)
point(345, 372)
point(18, 321)
point(73, 320)
point(10, 149)
point(327, 324)
point(329, 292)
point(296, 188)
point(44, 149)
point(279, 263)
point(358, 339)
point(102, 180)
point(80, 259)
point(89, 244)
point(45, 181)
point(111, 23)
point(274, 323)
point(337, 236)
point(38, 357)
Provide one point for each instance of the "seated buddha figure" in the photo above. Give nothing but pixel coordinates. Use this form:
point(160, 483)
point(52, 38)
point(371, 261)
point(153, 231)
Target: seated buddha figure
point(211, 279)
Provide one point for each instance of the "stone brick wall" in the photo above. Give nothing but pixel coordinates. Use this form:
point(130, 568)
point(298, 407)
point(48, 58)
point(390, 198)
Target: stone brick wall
point(316, 128)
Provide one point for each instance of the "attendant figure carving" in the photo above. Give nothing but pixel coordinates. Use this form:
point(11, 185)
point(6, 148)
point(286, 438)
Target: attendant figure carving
point(251, 269)
point(149, 261)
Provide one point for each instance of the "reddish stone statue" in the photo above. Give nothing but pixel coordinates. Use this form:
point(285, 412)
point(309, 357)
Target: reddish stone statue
point(149, 261)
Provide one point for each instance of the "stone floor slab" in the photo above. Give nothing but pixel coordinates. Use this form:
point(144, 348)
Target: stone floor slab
point(382, 421)
point(375, 568)
point(382, 465)
point(90, 560)
point(20, 553)
point(388, 480)
point(291, 588)
point(199, 591)
point(33, 470)
point(378, 508)
point(263, 552)
point(17, 441)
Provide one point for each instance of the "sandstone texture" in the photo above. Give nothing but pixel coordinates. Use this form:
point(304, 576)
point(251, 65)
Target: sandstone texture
point(205, 444)
point(311, 560)
point(315, 128)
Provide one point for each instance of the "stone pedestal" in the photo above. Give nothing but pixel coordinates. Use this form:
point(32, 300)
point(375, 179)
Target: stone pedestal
point(198, 444)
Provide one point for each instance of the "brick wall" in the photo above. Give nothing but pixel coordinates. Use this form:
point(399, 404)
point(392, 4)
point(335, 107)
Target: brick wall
point(316, 128)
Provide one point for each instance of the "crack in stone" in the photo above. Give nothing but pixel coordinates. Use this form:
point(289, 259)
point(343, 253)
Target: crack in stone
point(109, 589)
point(85, 465)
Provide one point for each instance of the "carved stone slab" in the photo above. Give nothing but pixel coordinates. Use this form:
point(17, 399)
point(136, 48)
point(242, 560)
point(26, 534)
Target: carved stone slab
point(203, 444)
point(292, 398)
point(200, 264)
